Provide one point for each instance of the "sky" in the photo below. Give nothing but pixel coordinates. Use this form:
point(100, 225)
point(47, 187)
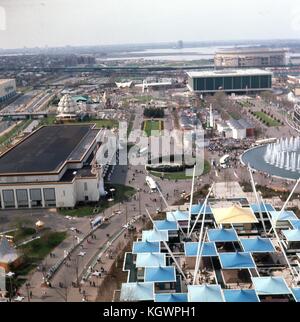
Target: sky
point(50, 23)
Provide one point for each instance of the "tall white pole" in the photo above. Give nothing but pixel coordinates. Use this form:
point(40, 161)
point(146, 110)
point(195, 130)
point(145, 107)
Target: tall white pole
point(167, 247)
point(191, 201)
point(257, 199)
point(201, 209)
point(165, 201)
point(199, 254)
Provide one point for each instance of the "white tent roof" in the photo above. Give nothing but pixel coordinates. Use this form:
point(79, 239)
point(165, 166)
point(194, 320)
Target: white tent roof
point(8, 254)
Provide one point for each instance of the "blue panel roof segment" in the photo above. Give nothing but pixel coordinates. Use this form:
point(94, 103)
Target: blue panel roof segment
point(137, 292)
point(160, 274)
point(197, 208)
point(222, 235)
point(296, 293)
point(270, 285)
point(205, 293)
point(256, 208)
point(209, 249)
point(240, 296)
point(236, 260)
point(292, 235)
point(295, 223)
point(285, 215)
point(145, 247)
point(257, 245)
point(171, 297)
point(178, 215)
point(166, 225)
point(150, 260)
point(155, 235)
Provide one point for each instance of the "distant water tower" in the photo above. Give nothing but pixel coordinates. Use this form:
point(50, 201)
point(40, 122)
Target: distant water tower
point(180, 44)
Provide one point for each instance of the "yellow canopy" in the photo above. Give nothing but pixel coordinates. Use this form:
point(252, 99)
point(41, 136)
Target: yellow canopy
point(39, 224)
point(234, 215)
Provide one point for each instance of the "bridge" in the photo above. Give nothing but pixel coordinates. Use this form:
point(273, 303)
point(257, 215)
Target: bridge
point(25, 115)
point(76, 69)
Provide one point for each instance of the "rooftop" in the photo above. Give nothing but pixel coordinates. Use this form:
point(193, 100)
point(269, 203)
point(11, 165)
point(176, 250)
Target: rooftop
point(4, 81)
point(252, 51)
point(47, 149)
point(229, 73)
point(207, 260)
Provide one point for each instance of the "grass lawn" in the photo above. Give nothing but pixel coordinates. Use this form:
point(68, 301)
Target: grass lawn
point(35, 252)
point(152, 125)
point(15, 131)
point(48, 120)
point(180, 175)
point(23, 233)
point(40, 248)
point(267, 119)
point(103, 123)
point(121, 194)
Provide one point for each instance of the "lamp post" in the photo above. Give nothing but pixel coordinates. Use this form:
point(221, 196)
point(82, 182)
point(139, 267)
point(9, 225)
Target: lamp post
point(110, 200)
point(28, 292)
point(112, 190)
point(10, 275)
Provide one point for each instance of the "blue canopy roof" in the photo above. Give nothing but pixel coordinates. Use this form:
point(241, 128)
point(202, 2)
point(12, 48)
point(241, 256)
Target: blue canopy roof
point(292, 235)
point(197, 208)
point(257, 245)
point(160, 274)
point(150, 260)
point(146, 247)
point(137, 292)
point(222, 235)
point(205, 293)
point(285, 215)
point(256, 208)
point(295, 223)
point(155, 235)
point(178, 215)
point(270, 285)
point(191, 249)
point(236, 260)
point(166, 225)
point(171, 297)
point(240, 296)
point(296, 293)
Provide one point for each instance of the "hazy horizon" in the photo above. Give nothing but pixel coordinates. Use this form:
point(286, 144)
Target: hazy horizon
point(59, 23)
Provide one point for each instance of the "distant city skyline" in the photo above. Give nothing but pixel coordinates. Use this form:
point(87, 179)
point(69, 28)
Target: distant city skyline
point(40, 23)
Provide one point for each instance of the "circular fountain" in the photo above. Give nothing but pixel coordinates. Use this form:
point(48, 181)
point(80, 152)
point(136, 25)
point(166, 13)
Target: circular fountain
point(280, 159)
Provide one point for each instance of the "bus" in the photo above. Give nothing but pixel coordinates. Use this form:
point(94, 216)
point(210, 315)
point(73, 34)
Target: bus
point(224, 161)
point(151, 183)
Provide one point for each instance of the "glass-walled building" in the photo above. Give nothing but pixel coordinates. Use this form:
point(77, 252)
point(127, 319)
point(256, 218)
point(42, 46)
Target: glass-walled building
point(244, 80)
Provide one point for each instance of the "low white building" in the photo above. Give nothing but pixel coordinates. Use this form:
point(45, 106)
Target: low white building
point(54, 166)
point(7, 89)
point(236, 129)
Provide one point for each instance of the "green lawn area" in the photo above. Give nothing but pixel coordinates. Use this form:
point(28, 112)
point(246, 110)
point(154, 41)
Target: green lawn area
point(267, 119)
point(48, 120)
point(40, 248)
point(15, 131)
point(82, 211)
point(23, 234)
point(121, 194)
point(152, 125)
point(99, 123)
point(180, 175)
point(35, 252)
point(103, 123)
